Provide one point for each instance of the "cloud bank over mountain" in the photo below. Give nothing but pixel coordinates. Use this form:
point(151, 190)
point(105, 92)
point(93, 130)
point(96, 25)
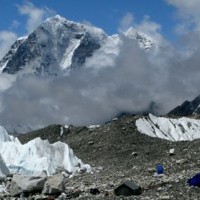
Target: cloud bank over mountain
point(119, 77)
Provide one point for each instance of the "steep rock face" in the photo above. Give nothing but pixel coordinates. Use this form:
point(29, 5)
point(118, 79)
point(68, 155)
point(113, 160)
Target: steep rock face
point(13, 49)
point(55, 45)
point(188, 108)
point(58, 45)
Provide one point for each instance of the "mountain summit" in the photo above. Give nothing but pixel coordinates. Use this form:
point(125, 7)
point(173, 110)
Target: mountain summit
point(58, 45)
point(143, 39)
point(188, 108)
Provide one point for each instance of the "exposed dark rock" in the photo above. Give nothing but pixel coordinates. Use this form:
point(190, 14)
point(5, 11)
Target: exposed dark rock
point(128, 188)
point(52, 133)
point(26, 184)
point(188, 108)
point(90, 142)
point(54, 185)
point(94, 191)
point(37, 51)
point(172, 152)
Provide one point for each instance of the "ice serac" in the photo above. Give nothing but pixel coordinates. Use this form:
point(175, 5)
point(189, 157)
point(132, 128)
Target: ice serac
point(3, 138)
point(180, 129)
point(55, 45)
point(36, 156)
point(3, 168)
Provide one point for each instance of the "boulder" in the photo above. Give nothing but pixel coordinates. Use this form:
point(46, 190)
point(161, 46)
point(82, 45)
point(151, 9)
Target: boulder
point(54, 185)
point(128, 188)
point(134, 153)
point(181, 161)
point(172, 152)
point(166, 197)
point(26, 184)
point(94, 191)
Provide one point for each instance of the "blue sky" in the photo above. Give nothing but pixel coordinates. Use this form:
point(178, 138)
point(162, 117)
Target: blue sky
point(160, 19)
point(105, 14)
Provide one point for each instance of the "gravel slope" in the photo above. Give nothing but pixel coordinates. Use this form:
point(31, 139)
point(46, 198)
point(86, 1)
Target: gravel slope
point(109, 149)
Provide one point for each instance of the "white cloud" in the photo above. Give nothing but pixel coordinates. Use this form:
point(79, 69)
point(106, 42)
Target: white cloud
point(15, 24)
point(188, 12)
point(136, 82)
point(6, 81)
point(126, 79)
point(150, 28)
point(126, 21)
point(185, 6)
point(35, 15)
point(146, 26)
point(86, 22)
point(6, 40)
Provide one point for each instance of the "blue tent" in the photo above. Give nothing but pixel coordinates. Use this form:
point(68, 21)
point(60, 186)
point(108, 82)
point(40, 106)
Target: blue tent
point(159, 169)
point(194, 181)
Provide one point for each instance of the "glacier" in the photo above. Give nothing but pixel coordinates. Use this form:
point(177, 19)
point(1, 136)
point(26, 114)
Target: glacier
point(36, 156)
point(173, 129)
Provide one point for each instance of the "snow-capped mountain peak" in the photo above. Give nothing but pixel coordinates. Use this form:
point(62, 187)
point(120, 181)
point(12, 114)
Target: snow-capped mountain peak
point(4, 61)
point(60, 22)
point(144, 40)
point(188, 108)
point(58, 18)
point(57, 44)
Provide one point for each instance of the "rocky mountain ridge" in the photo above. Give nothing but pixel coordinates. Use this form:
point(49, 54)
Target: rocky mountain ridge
point(57, 42)
point(188, 108)
point(58, 45)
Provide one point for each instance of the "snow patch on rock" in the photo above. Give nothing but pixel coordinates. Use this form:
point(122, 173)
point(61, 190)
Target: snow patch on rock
point(93, 126)
point(68, 55)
